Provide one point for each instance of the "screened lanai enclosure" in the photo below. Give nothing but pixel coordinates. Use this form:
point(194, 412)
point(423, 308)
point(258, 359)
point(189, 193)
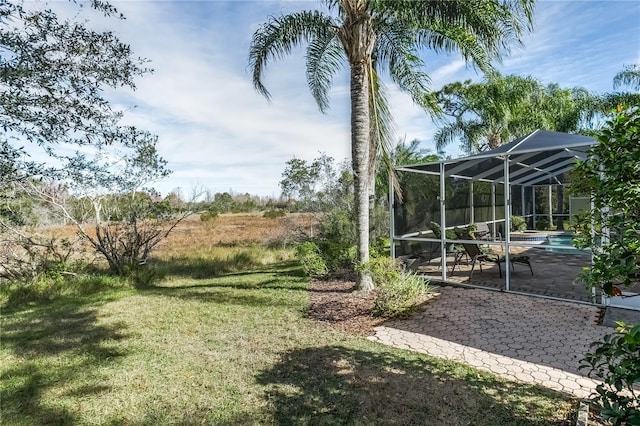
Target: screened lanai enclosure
point(500, 219)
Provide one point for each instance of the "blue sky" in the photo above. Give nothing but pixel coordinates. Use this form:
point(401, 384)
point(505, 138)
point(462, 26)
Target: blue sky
point(217, 133)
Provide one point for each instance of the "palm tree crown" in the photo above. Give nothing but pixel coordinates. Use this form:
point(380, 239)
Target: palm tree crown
point(384, 35)
point(629, 76)
point(488, 114)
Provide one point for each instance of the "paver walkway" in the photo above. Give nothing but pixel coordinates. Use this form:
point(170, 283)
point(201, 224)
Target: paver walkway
point(518, 337)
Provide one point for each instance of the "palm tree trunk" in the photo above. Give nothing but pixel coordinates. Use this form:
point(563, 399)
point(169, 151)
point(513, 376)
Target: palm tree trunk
point(360, 161)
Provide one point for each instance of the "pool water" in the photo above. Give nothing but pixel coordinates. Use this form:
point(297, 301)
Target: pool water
point(553, 241)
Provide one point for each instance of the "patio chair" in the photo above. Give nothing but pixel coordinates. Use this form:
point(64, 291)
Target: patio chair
point(477, 255)
point(426, 252)
point(483, 232)
point(451, 234)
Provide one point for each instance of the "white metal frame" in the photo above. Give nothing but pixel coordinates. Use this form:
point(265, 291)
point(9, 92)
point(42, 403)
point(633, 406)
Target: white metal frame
point(560, 159)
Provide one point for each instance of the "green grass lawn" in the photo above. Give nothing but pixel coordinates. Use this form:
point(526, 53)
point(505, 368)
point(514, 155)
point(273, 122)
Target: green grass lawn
point(233, 350)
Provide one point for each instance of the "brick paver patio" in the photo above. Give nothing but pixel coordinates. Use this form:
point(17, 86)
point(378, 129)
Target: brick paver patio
point(554, 274)
point(518, 337)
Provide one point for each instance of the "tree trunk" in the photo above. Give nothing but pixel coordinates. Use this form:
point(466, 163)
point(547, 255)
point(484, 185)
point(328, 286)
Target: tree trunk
point(360, 161)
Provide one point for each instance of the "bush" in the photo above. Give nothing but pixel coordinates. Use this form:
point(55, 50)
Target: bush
point(334, 248)
point(542, 224)
point(518, 224)
point(616, 362)
point(398, 292)
point(27, 258)
point(209, 215)
point(381, 247)
point(339, 226)
point(611, 177)
point(337, 255)
point(145, 277)
point(313, 264)
point(274, 213)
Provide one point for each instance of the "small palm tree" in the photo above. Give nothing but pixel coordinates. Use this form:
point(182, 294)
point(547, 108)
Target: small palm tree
point(371, 36)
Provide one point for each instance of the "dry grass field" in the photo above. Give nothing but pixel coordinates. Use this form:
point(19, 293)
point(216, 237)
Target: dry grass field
point(232, 229)
point(238, 229)
point(193, 237)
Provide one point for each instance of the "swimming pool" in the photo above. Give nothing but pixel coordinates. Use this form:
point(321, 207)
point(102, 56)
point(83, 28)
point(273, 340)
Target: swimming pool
point(560, 243)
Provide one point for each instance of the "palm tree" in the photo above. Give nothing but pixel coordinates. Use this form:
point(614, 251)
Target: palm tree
point(483, 113)
point(488, 114)
point(629, 76)
point(384, 35)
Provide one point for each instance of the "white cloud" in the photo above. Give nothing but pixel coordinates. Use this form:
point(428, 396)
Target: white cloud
point(213, 127)
point(217, 132)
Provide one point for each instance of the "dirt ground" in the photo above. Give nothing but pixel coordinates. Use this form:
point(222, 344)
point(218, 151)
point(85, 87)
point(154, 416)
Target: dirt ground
point(339, 305)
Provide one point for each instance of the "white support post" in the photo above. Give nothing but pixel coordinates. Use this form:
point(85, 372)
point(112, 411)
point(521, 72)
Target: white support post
point(550, 193)
point(522, 201)
point(493, 208)
point(533, 202)
point(392, 220)
point(471, 206)
point(443, 224)
point(507, 223)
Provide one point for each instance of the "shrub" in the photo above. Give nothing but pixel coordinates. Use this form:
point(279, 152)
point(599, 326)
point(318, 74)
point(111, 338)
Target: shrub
point(313, 264)
point(542, 224)
point(27, 258)
point(337, 255)
point(144, 277)
point(398, 292)
point(335, 245)
point(611, 177)
point(274, 213)
point(616, 362)
point(339, 226)
point(209, 215)
point(518, 224)
point(381, 247)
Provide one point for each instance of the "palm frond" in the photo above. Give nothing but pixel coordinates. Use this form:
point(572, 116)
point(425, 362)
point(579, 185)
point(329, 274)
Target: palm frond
point(442, 38)
point(629, 76)
point(382, 131)
point(325, 57)
point(396, 50)
point(475, 133)
point(277, 37)
point(447, 134)
point(481, 30)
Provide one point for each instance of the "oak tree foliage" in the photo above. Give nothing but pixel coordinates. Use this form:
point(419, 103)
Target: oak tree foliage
point(61, 138)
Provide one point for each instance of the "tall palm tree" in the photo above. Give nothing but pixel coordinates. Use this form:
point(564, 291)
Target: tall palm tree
point(371, 36)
